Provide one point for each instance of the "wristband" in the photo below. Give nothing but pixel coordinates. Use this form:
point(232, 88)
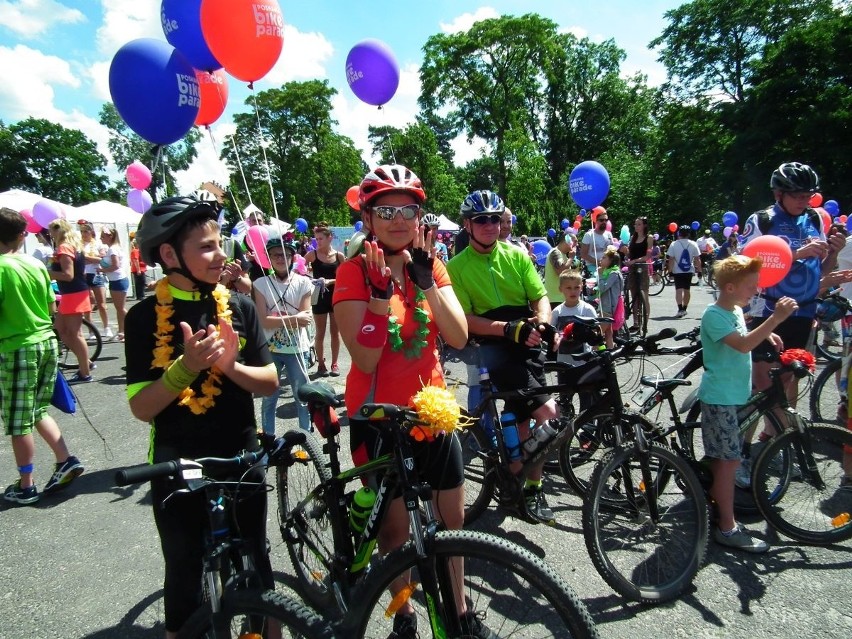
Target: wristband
point(178, 376)
point(25, 469)
point(374, 330)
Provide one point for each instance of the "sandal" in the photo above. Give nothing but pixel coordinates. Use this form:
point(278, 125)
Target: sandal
point(119, 337)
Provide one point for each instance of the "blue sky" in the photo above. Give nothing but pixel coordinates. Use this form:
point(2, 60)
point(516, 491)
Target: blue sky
point(55, 55)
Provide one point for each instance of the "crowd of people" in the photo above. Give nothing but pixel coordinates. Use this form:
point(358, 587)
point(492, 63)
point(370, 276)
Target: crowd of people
point(219, 330)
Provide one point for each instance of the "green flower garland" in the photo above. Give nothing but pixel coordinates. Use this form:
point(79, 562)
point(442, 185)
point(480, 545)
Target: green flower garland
point(418, 342)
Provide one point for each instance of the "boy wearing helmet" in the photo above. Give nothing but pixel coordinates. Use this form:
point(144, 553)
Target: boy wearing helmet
point(684, 259)
point(505, 303)
point(283, 302)
point(195, 356)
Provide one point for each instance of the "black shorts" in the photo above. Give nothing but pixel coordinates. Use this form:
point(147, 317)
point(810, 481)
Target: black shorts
point(513, 366)
point(682, 280)
point(439, 463)
point(795, 332)
point(324, 305)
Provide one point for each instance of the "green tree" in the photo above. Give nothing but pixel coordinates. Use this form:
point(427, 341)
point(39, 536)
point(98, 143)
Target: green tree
point(298, 159)
point(126, 147)
point(59, 163)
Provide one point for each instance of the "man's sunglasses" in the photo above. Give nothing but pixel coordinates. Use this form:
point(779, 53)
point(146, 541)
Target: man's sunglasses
point(408, 212)
point(487, 219)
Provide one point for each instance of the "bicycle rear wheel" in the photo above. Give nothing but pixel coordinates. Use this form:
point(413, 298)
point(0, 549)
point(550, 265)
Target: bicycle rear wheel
point(94, 345)
point(658, 284)
point(304, 522)
point(513, 592)
point(479, 478)
point(796, 484)
point(255, 613)
point(825, 398)
point(646, 558)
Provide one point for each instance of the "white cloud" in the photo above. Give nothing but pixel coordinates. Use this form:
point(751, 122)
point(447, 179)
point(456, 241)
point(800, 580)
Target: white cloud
point(579, 32)
point(32, 18)
point(207, 166)
point(466, 20)
point(304, 57)
point(27, 77)
point(126, 20)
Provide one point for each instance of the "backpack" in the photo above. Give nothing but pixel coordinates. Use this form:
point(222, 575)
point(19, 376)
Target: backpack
point(685, 261)
point(764, 219)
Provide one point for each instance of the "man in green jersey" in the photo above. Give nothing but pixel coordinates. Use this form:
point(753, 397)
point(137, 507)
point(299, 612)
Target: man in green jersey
point(505, 304)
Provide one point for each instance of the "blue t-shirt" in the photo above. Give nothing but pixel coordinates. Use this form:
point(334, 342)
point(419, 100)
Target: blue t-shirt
point(802, 282)
point(727, 371)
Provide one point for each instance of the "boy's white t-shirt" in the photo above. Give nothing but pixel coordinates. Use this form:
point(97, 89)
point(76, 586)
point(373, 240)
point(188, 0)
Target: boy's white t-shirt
point(559, 317)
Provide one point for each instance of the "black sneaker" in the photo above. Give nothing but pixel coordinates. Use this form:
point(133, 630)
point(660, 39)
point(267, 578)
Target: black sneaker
point(537, 508)
point(63, 475)
point(473, 626)
point(404, 627)
point(23, 496)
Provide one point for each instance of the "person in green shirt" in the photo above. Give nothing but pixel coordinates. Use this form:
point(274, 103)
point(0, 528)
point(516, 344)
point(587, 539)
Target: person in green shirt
point(28, 363)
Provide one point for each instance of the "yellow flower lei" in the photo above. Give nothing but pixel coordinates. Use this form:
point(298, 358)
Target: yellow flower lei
point(438, 409)
point(163, 350)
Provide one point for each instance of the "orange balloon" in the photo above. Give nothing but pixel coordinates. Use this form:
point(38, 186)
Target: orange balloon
point(245, 36)
point(577, 225)
point(673, 226)
point(352, 196)
point(776, 255)
point(816, 200)
point(213, 89)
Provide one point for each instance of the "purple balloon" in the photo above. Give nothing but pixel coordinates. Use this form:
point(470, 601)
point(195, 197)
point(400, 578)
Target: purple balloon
point(139, 200)
point(182, 27)
point(45, 211)
point(372, 72)
point(154, 90)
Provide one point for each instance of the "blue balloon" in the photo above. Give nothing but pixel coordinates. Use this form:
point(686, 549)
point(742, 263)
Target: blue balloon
point(715, 227)
point(729, 219)
point(696, 225)
point(588, 184)
point(181, 21)
point(849, 223)
point(565, 224)
point(582, 212)
point(359, 225)
point(831, 207)
point(514, 220)
point(154, 90)
point(551, 232)
point(301, 225)
point(540, 248)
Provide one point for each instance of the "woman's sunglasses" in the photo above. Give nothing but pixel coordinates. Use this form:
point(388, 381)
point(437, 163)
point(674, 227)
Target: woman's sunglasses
point(486, 219)
point(408, 212)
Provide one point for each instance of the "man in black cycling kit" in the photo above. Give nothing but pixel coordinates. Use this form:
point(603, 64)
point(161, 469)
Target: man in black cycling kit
point(505, 304)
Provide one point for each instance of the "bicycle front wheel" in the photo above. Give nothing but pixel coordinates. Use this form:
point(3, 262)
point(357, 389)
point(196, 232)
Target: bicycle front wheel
point(646, 528)
point(509, 589)
point(658, 283)
point(796, 484)
point(248, 613)
point(825, 399)
point(304, 522)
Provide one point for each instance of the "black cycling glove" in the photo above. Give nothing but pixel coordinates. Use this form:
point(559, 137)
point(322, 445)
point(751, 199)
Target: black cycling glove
point(420, 269)
point(518, 331)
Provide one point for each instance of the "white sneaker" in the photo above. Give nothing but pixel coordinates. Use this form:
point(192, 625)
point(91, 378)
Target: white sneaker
point(742, 478)
point(91, 339)
point(108, 335)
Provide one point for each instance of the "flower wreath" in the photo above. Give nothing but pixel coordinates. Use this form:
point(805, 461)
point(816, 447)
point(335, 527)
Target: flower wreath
point(438, 409)
point(163, 350)
point(791, 355)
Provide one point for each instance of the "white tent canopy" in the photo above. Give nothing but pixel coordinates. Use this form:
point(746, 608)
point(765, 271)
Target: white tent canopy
point(446, 224)
point(19, 200)
point(104, 212)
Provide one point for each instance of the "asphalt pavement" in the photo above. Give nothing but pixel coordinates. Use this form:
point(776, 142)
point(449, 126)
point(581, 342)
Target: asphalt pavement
point(87, 563)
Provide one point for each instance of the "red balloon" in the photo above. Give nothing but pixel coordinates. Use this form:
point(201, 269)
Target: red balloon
point(576, 225)
point(213, 90)
point(816, 200)
point(246, 36)
point(776, 255)
point(352, 196)
point(32, 225)
point(673, 226)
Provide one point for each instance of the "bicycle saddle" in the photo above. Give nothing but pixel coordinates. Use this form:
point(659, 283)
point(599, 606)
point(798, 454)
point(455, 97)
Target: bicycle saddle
point(319, 393)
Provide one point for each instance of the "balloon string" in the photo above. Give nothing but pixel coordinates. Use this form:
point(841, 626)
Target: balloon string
point(157, 152)
point(265, 159)
point(390, 142)
point(242, 173)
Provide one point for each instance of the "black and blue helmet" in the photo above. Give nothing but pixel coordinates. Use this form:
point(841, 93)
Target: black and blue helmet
point(481, 202)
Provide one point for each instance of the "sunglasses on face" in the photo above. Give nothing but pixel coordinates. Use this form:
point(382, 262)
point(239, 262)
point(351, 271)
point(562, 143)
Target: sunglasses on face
point(486, 219)
point(408, 212)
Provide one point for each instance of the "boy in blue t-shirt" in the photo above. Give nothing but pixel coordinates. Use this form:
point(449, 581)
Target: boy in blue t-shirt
point(726, 384)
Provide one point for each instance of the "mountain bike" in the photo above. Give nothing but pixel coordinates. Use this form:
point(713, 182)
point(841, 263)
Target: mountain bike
point(234, 603)
point(666, 532)
point(509, 589)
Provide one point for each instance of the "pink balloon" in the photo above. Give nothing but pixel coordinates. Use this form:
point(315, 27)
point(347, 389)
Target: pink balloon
point(609, 226)
point(138, 176)
point(45, 211)
point(32, 225)
point(301, 266)
point(139, 200)
point(256, 238)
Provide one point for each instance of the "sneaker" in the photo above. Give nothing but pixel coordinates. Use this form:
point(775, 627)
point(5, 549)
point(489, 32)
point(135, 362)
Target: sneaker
point(740, 540)
point(107, 335)
point(840, 502)
point(77, 378)
point(322, 371)
point(404, 627)
point(335, 370)
point(92, 339)
point(63, 475)
point(775, 464)
point(743, 476)
point(473, 626)
point(680, 313)
point(23, 496)
point(537, 508)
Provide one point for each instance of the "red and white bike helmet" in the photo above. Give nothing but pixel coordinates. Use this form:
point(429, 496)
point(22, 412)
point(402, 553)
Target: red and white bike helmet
point(390, 178)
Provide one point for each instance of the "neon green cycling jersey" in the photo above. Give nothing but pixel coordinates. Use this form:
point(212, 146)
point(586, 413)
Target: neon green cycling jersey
point(505, 277)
